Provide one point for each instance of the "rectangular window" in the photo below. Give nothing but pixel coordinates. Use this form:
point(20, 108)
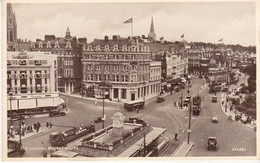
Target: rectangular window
point(117, 78)
point(123, 96)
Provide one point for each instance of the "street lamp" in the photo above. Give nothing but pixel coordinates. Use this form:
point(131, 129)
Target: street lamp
point(189, 130)
point(11, 96)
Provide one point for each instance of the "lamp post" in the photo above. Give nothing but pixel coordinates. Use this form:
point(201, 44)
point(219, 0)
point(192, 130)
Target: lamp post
point(189, 131)
point(11, 96)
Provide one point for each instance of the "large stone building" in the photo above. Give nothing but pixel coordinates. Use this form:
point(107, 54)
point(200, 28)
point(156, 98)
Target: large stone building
point(31, 80)
point(11, 29)
point(124, 63)
point(69, 52)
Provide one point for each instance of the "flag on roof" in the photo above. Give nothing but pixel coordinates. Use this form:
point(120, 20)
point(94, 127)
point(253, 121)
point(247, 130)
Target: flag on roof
point(220, 40)
point(129, 20)
point(182, 36)
point(161, 38)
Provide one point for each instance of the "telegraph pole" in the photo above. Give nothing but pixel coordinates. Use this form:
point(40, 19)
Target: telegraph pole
point(103, 125)
point(189, 119)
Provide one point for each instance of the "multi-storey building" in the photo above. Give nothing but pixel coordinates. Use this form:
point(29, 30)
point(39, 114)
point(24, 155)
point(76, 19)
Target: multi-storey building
point(122, 62)
point(11, 29)
point(69, 52)
point(31, 80)
point(194, 56)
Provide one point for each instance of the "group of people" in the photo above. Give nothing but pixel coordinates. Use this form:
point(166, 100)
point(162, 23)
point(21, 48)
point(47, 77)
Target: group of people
point(23, 129)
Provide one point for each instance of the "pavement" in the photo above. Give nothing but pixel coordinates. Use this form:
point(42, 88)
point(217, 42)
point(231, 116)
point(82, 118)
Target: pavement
point(232, 113)
point(28, 135)
point(183, 150)
point(77, 95)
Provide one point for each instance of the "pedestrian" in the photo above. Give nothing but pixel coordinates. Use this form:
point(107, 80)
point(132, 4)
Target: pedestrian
point(50, 125)
point(137, 110)
point(176, 136)
point(171, 92)
point(47, 124)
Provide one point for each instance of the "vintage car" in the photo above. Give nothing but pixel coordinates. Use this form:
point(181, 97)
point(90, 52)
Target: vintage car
point(214, 98)
point(214, 119)
point(238, 116)
point(244, 118)
point(98, 119)
point(212, 143)
point(57, 113)
point(224, 89)
point(160, 99)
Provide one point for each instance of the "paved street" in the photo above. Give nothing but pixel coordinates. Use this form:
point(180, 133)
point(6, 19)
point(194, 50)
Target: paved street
point(234, 139)
point(84, 111)
point(163, 114)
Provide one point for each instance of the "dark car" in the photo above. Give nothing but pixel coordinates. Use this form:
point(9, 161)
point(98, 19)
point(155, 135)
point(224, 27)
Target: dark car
point(178, 89)
point(224, 89)
point(212, 143)
point(160, 99)
point(98, 119)
point(214, 99)
point(57, 113)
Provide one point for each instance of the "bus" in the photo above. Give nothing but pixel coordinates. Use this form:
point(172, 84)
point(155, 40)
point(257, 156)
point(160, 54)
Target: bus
point(133, 105)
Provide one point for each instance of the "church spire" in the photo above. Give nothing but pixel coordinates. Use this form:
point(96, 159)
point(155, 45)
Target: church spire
point(68, 33)
point(152, 27)
point(151, 35)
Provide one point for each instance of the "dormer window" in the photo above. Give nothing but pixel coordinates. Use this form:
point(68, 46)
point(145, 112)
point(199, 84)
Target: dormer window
point(107, 48)
point(57, 44)
point(32, 45)
point(89, 48)
point(48, 44)
point(98, 47)
point(115, 47)
point(124, 48)
point(68, 44)
point(142, 48)
point(40, 44)
point(133, 48)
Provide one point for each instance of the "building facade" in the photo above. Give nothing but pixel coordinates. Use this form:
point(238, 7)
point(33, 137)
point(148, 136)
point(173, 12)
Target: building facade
point(31, 80)
point(69, 52)
point(124, 63)
point(11, 29)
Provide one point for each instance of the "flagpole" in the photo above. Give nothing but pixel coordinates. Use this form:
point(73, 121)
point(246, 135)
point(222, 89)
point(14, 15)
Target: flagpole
point(132, 28)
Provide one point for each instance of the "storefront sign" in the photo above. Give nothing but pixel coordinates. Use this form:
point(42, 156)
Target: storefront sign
point(26, 62)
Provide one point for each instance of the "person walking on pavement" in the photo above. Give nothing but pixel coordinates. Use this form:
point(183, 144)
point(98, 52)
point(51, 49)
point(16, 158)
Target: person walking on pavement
point(176, 137)
point(137, 110)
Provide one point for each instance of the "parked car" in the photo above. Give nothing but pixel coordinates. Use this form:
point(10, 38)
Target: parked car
point(244, 118)
point(214, 119)
point(57, 113)
point(212, 143)
point(224, 89)
point(160, 99)
point(98, 119)
point(238, 116)
point(214, 98)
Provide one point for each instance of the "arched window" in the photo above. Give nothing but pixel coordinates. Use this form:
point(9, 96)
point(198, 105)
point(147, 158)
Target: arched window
point(133, 48)
point(68, 44)
point(115, 47)
point(48, 44)
point(107, 48)
point(57, 44)
point(32, 45)
point(124, 48)
point(40, 44)
point(89, 48)
point(98, 47)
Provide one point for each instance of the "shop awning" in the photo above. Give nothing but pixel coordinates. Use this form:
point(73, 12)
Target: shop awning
point(45, 102)
point(12, 105)
point(57, 101)
point(27, 103)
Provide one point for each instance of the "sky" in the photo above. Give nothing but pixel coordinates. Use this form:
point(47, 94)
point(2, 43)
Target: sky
point(199, 22)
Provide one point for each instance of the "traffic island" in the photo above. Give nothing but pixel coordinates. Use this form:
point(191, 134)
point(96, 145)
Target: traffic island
point(183, 150)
